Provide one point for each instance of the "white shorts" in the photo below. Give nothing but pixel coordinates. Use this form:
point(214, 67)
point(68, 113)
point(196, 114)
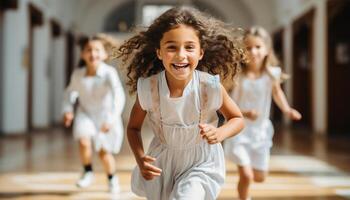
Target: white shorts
point(245, 155)
point(85, 127)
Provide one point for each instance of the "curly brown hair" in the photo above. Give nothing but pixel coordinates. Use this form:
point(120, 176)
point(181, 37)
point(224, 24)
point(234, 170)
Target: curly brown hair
point(223, 49)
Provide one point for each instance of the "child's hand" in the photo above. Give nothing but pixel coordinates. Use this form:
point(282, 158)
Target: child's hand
point(148, 171)
point(209, 132)
point(105, 127)
point(252, 114)
point(68, 118)
point(293, 114)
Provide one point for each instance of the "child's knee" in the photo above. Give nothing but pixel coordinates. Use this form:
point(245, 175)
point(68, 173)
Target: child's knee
point(259, 177)
point(102, 153)
point(85, 142)
point(246, 177)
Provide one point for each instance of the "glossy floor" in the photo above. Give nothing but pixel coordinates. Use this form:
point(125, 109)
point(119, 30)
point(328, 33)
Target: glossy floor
point(45, 165)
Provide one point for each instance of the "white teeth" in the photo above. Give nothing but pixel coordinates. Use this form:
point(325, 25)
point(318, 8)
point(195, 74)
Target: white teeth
point(180, 65)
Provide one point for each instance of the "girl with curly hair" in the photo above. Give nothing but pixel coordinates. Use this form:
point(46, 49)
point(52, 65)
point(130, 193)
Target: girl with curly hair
point(185, 159)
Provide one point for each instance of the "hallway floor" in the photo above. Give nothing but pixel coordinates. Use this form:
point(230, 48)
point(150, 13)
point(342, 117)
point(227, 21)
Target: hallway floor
point(45, 165)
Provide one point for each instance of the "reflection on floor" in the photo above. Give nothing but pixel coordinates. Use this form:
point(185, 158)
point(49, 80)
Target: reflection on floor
point(45, 165)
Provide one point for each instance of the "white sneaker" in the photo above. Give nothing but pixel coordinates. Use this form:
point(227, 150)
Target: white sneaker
point(114, 185)
point(85, 180)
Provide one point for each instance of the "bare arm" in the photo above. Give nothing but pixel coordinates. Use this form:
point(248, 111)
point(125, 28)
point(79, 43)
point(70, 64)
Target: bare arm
point(70, 97)
point(137, 117)
point(250, 114)
point(233, 126)
point(280, 99)
point(232, 114)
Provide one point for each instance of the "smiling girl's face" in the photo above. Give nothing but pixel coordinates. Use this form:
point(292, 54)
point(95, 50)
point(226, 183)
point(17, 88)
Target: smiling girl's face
point(257, 51)
point(94, 53)
point(180, 52)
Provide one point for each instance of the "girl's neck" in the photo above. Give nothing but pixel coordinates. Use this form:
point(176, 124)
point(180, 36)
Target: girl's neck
point(91, 70)
point(254, 71)
point(176, 87)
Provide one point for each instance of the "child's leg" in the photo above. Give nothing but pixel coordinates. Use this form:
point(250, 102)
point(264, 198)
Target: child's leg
point(85, 151)
point(109, 166)
point(86, 159)
point(245, 179)
point(260, 163)
point(242, 158)
point(259, 175)
point(108, 162)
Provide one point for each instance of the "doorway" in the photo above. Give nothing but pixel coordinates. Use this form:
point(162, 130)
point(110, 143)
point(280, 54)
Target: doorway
point(277, 38)
point(338, 12)
point(302, 68)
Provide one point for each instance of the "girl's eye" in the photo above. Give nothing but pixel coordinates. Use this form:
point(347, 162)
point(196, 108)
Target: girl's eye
point(171, 47)
point(190, 47)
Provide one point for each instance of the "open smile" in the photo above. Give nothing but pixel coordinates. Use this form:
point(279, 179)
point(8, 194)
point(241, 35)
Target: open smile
point(180, 65)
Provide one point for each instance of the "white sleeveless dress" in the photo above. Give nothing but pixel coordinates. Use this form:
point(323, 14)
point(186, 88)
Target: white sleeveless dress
point(254, 94)
point(191, 168)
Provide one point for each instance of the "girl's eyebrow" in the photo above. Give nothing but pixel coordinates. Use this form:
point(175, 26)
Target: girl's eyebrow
point(170, 41)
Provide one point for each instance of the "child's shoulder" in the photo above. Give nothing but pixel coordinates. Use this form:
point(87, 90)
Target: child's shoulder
point(275, 72)
point(79, 71)
point(209, 79)
point(144, 86)
point(145, 80)
point(275, 69)
point(108, 68)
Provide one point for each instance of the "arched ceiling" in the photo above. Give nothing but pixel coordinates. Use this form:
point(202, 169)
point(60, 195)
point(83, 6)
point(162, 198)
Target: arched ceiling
point(90, 15)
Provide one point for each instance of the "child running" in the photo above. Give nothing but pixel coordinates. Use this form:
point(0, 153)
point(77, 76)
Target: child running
point(259, 81)
point(101, 102)
point(185, 159)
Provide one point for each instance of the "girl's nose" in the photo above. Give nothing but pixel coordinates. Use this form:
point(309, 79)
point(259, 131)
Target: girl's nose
point(253, 51)
point(181, 54)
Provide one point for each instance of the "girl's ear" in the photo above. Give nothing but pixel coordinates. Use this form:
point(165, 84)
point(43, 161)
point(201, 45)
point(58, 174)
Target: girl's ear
point(201, 54)
point(159, 55)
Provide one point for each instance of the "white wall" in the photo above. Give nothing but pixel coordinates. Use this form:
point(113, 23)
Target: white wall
point(14, 74)
point(319, 75)
point(1, 71)
point(41, 84)
point(58, 76)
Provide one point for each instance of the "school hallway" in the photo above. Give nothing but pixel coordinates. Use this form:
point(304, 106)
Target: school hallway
point(45, 165)
point(39, 160)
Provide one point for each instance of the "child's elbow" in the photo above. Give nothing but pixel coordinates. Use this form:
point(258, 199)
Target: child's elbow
point(241, 124)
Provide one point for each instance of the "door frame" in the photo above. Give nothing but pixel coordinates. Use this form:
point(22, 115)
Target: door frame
point(35, 20)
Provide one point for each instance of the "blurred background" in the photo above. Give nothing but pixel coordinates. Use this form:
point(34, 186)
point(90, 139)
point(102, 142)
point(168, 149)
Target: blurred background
point(39, 51)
